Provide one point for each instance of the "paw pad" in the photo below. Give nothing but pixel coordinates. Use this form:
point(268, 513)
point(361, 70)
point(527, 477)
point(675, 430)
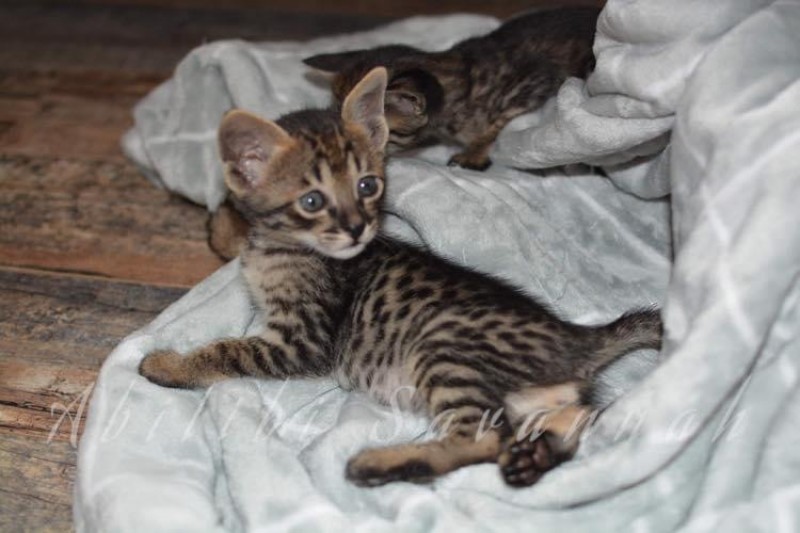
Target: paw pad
point(525, 461)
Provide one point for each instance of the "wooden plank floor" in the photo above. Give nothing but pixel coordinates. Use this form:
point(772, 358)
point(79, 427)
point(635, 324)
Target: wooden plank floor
point(89, 250)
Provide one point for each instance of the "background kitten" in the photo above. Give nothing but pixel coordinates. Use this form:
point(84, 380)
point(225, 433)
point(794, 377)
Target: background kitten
point(468, 93)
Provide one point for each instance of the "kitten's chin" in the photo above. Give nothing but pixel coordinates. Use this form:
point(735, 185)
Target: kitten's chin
point(338, 249)
point(345, 253)
point(339, 246)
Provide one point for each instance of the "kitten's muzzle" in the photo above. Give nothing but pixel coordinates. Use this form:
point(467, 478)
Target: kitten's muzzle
point(355, 231)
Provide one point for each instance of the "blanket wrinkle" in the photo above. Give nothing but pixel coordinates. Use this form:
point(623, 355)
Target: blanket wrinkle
point(624, 232)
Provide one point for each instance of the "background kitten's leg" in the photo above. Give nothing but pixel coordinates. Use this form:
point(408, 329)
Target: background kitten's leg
point(227, 231)
point(227, 358)
point(476, 154)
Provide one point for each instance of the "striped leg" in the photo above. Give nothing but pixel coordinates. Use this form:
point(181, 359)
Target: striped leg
point(421, 463)
point(473, 430)
point(475, 155)
point(283, 350)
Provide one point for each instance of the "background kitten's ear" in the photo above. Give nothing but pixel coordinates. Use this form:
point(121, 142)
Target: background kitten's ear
point(246, 144)
point(414, 92)
point(364, 107)
point(403, 97)
point(334, 62)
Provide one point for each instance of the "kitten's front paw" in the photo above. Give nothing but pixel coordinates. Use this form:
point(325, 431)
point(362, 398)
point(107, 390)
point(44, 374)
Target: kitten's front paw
point(469, 161)
point(524, 461)
point(372, 468)
point(163, 367)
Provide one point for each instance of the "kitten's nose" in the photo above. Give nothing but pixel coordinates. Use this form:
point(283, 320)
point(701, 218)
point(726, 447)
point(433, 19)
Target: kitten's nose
point(356, 231)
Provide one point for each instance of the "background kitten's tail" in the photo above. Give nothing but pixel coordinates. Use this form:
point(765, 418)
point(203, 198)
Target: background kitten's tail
point(632, 331)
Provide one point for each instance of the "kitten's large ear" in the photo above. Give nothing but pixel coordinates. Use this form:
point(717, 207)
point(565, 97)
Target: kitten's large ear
point(334, 62)
point(246, 144)
point(364, 107)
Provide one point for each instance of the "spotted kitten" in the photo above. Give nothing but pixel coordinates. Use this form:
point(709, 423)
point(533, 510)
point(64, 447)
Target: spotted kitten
point(342, 300)
point(468, 93)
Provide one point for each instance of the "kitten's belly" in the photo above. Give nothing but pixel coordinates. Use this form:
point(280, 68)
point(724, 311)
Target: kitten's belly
point(394, 387)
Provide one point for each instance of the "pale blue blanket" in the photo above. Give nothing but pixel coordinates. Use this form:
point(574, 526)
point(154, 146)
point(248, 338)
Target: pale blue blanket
point(700, 100)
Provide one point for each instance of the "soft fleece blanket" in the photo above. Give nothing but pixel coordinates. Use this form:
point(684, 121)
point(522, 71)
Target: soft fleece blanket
point(700, 100)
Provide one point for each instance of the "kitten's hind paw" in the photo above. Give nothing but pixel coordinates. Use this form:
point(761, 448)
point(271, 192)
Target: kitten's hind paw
point(165, 368)
point(525, 461)
point(469, 161)
point(372, 468)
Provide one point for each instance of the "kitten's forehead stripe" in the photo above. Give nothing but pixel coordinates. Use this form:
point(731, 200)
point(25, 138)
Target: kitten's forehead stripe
point(317, 173)
point(325, 171)
point(352, 163)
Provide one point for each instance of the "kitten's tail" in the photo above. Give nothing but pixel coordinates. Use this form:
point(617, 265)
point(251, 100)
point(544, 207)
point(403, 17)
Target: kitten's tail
point(632, 331)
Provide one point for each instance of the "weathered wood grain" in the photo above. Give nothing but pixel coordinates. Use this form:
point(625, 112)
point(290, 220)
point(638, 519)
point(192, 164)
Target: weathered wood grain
point(61, 423)
point(69, 36)
point(44, 401)
point(55, 331)
point(75, 115)
point(164, 26)
point(36, 480)
point(153, 35)
point(100, 218)
point(69, 320)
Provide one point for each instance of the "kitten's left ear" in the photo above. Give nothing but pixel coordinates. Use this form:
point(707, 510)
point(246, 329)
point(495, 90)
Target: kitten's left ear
point(364, 107)
point(247, 143)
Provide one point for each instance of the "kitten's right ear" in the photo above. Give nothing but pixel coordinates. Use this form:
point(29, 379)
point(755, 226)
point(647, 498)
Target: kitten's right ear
point(334, 62)
point(363, 108)
point(246, 144)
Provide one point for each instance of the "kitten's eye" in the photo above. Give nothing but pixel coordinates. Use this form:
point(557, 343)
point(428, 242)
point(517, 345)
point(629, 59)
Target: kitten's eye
point(367, 186)
point(312, 201)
